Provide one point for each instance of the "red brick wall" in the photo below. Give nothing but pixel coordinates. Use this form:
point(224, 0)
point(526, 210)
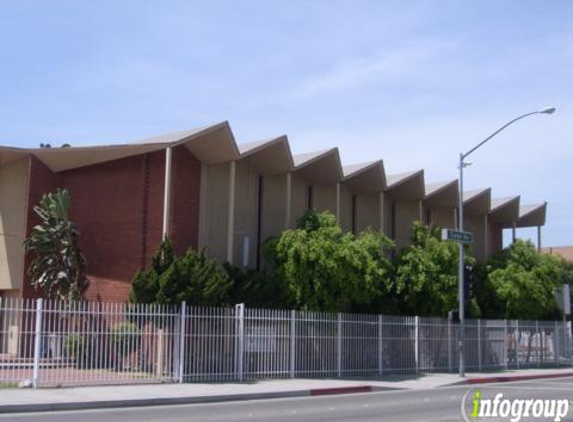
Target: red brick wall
point(118, 209)
point(185, 187)
point(117, 218)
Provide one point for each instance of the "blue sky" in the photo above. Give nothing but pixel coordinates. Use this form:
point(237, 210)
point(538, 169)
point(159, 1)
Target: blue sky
point(414, 83)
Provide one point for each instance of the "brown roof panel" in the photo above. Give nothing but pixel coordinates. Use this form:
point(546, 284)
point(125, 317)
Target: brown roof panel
point(532, 215)
point(504, 210)
point(406, 186)
point(322, 167)
point(271, 156)
point(477, 202)
point(365, 177)
point(442, 194)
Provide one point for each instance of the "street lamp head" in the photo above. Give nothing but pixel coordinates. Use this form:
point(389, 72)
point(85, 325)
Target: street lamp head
point(547, 110)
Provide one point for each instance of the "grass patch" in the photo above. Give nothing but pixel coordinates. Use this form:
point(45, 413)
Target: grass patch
point(5, 385)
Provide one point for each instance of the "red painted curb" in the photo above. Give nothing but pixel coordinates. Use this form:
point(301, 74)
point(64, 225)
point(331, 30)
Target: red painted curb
point(341, 390)
point(489, 380)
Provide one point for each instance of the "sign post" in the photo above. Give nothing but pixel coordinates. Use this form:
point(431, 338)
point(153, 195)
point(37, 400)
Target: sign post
point(462, 238)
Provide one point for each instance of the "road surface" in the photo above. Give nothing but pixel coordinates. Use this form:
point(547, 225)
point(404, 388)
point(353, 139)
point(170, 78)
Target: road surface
point(436, 405)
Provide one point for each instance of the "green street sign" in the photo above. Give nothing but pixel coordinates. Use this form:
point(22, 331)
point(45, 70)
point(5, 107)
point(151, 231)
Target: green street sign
point(458, 236)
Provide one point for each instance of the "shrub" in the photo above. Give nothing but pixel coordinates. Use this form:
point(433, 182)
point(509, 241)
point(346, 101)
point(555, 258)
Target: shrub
point(58, 265)
point(75, 346)
point(257, 289)
point(171, 279)
point(124, 340)
point(324, 269)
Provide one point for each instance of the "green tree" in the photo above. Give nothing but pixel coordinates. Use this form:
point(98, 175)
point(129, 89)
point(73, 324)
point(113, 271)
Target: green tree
point(58, 266)
point(145, 284)
point(524, 281)
point(328, 270)
point(426, 280)
point(171, 279)
point(195, 279)
point(258, 289)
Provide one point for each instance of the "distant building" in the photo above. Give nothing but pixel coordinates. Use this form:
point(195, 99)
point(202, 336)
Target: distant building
point(203, 189)
point(564, 251)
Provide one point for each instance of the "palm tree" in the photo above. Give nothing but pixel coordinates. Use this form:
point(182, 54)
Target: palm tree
point(58, 267)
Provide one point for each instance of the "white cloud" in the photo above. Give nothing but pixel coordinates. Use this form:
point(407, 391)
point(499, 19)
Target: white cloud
point(349, 73)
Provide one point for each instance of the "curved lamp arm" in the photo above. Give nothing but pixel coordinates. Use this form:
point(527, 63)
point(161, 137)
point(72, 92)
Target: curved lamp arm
point(548, 110)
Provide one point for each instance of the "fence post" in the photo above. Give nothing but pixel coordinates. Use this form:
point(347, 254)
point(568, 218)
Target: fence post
point(479, 343)
point(517, 343)
point(556, 343)
point(37, 342)
point(292, 342)
point(240, 317)
point(566, 341)
point(182, 330)
point(538, 338)
point(380, 345)
point(506, 344)
point(417, 343)
point(339, 347)
point(449, 345)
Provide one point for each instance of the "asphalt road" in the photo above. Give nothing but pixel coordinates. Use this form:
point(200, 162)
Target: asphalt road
point(441, 404)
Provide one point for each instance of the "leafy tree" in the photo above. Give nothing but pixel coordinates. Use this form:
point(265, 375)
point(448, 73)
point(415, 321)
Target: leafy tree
point(58, 267)
point(427, 274)
point(328, 270)
point(171, 279)
point(524, 281)
point(145, 284)
point(195, 279)
point(258, 289)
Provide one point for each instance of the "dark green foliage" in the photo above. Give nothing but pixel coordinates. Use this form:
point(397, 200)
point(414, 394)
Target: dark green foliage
point(427, 274)
point(195, 279)
point(74, 346)
point(325, 269)
point(520, 283)
point(257, 289)
point(318, 267)
point(171, 279)
point(144, 287)
point(145, 284)
point(124, 340)
point(58, 266)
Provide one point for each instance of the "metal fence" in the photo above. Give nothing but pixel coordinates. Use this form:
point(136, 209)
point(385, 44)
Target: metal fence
point(54, 343)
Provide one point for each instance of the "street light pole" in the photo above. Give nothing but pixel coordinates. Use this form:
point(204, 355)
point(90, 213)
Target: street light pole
point(461, 270)
point(462, 164)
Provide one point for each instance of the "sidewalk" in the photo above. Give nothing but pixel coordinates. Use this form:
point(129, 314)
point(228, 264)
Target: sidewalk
point(36, 400)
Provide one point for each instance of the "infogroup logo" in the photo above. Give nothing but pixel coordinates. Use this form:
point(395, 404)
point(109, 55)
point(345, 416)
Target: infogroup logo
point(476, 407)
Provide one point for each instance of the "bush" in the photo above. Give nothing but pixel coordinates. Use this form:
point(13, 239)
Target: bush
point(257, 289)
point(195, 279)
point(172, 279)
point(58, 266)
point(522, 283)
point(75, 346)
point(324, 269)
point(145, 284)
point(124, 341)
point(426, 276)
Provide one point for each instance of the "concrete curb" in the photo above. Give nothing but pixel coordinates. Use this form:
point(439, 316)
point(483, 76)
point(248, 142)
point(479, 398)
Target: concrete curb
point(511, 378)
point(341, 390)
point(167, 401)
